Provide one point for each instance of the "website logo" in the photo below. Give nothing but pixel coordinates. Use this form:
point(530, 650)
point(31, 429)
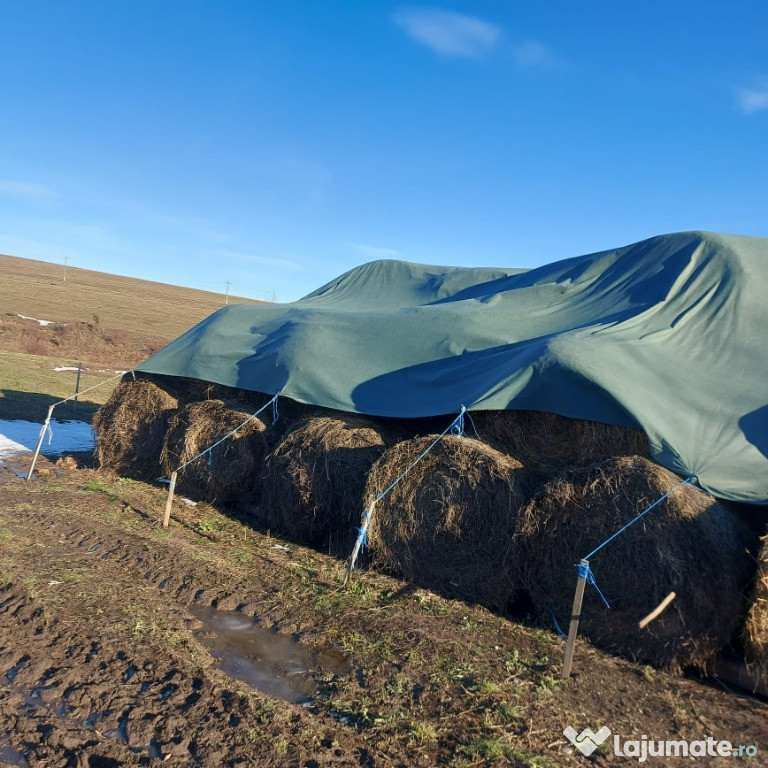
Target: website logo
point(587, 741)
point(644, 748)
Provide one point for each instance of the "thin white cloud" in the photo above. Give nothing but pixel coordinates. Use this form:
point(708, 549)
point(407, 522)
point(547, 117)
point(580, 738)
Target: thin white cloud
point(532, 54)
point(448, 33)
point(754, 99)
point(23, 189)
point(374, 252)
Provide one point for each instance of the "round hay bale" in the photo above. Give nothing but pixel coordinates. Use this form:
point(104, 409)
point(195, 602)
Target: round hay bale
point(755, 634)
point(130, 428)
point(688, 544)
point(312, 483)
point(550, 443)
point(228, 473)
point(449, 523)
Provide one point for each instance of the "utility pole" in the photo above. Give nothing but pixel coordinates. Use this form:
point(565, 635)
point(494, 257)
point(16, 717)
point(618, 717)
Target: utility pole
point(66, 259)
point(226, 298)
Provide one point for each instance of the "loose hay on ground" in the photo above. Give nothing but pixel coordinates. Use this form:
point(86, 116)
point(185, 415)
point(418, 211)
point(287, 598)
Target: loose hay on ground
point(312, 483)
point(228, 473)
point(688, 544)
point(756, 626)
point(551, 443)
point(449, 524)
point(130, 428)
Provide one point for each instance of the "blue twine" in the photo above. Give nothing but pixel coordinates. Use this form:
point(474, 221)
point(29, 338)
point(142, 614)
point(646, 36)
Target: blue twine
point(210, 456)
point(229, 434)
point(458, 425)
point(50, 432)
point(362, 532)
point(583, 571)
point(636, 518)
point(472, 422)
point(458, 420)
point(557, 626)
point(275, 412)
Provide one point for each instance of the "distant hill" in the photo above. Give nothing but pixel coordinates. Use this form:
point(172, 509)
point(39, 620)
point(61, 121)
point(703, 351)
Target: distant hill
point(141, 307)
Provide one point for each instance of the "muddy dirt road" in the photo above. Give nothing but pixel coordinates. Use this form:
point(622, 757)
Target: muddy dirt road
point(105, 660)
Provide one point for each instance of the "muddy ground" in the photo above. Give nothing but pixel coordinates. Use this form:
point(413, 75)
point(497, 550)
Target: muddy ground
point(102, 662)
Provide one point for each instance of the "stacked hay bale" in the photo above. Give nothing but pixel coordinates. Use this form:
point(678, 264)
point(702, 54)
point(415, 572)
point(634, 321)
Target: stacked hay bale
point(756, 627)
point(228, 472)
point(449, 523)
point(130, 428)
point(312, 483)
point(688, 544)
point(550, 443)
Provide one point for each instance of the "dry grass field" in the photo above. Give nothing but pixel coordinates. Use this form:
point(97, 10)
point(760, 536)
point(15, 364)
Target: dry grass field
point(107, 322)
point(37, 289)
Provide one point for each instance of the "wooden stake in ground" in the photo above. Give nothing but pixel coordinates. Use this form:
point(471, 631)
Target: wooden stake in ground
point(77, 387)
point(46, 424)
point(573, 630)
point(169, 501)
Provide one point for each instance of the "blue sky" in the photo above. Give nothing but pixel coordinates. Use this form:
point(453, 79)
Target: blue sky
point(277, 144)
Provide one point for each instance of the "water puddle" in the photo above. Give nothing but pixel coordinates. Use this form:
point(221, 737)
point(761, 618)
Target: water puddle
point(272, 663)
point(20, 437)
point(13, 757)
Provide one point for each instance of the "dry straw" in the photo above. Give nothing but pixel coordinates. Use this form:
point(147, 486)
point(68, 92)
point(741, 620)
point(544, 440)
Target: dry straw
point(312, 484)
point(130, 428)
point(550, 443)
point(688, 544)
point(449, 523)
point(228, 472)
point(756, 627)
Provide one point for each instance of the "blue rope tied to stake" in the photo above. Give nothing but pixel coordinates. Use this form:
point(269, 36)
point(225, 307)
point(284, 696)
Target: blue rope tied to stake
point(583, 571)
point(362, 531)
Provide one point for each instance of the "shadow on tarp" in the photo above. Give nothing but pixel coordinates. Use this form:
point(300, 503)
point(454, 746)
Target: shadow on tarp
point(519, 376)
point(754, 426)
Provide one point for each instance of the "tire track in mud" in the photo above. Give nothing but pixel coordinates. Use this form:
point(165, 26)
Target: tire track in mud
point(75, 693)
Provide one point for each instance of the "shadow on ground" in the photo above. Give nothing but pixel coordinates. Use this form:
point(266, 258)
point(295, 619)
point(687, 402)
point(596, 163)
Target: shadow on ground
point(32, 406)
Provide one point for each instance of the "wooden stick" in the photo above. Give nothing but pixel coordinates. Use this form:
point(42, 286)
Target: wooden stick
point(656, 611)
point(573, 630)
point(169, 501)
point(77, 387)
point(46, 423)
point(358, 544)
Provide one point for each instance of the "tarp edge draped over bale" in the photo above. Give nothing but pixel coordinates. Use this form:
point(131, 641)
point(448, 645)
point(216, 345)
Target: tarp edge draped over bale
point(666, 335)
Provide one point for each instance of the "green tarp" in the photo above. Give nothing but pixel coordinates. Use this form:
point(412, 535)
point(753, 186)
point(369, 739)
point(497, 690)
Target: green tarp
point(668, 334)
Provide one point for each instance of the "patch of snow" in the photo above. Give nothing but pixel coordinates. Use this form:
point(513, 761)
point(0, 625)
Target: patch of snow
point(65, 368)
point(10, 448)
point(39, 322)
point(189, 502)
point(20, 437)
